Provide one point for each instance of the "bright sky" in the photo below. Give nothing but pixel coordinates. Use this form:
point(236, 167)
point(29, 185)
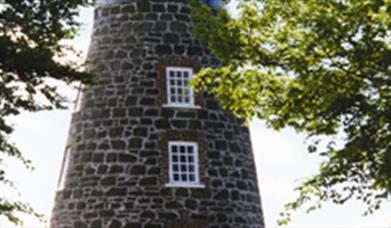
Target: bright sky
point(280, 157)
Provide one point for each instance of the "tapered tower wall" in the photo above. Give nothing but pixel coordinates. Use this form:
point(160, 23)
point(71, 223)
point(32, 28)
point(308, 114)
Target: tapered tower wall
point(117, 175)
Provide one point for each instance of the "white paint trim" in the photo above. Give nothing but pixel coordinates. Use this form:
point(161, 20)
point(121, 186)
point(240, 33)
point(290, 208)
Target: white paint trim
point(64, 168)
point(185, 185)
point(181, 106)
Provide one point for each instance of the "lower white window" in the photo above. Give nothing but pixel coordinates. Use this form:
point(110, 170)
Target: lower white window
point(183, 163)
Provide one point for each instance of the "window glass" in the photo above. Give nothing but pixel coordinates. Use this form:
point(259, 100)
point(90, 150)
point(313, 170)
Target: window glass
point(183, 163)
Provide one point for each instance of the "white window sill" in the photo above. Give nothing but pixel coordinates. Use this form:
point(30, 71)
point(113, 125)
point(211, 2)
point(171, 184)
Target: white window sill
point(170, 185)
point(182, 106)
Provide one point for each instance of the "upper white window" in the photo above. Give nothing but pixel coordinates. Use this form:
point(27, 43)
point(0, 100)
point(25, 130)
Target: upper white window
point(64, 168)
point(183, 163)
point(179, 92)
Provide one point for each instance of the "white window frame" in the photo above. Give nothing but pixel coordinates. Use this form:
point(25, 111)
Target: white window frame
point(64, 168)
point(189, 184)
point(191, 103)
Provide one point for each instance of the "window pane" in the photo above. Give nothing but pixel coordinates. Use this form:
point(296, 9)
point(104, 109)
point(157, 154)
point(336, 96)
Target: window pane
point(184, 177)
point(183, 168)
point(191, 177)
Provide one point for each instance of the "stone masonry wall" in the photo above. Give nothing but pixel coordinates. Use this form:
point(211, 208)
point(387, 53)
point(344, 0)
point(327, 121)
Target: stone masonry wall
point(117, 174)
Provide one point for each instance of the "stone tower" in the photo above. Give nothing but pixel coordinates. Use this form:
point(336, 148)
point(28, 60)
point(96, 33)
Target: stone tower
point(144, 150)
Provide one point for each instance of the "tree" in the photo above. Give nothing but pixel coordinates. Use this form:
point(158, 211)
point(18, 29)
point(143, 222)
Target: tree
point(320, 67)
point(30, 35)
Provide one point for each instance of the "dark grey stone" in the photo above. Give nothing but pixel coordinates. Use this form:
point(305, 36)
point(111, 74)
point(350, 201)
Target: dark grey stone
point(138, 170)
point(148, 181)
point(222, 195)
point(163, 49)
point(115, 224)
point(162, 124)
point(114, 191)
point(133, 225)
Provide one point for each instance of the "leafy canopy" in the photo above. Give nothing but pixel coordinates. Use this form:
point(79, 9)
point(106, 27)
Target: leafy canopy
point(30, 35)
point(322, 67)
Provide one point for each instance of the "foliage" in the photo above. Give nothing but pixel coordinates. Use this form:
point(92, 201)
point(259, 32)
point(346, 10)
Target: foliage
point(30, 35)
point(321, 67)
